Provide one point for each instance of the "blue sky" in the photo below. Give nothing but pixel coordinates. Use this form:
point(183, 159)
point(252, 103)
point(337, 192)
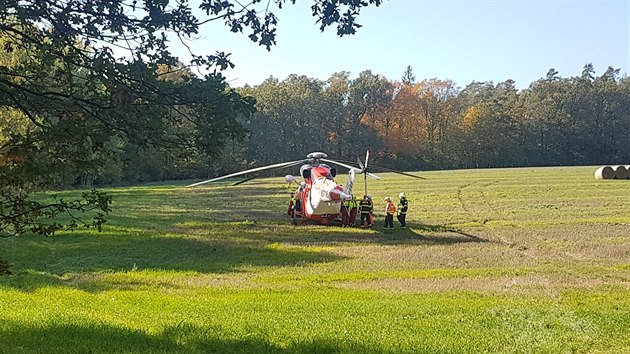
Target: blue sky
point(463, 40)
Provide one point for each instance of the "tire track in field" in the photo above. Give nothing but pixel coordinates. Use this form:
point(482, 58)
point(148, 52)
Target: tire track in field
point(483, 212)
point(486, 210)
point(471, 210)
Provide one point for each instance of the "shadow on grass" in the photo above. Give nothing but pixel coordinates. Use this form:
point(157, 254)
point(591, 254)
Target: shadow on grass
point(48, 258)
point(416, 233)
point(183, 338)
point(198, 230)
point(141, 209)
point(196, 209)
point(463, 236)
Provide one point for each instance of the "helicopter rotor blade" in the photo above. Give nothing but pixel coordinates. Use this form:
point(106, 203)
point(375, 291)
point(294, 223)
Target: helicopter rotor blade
point(350, 167)
point(385, 169)
point(345, 164)
point(257, 174)
point(367, 158)
point(258, 169)
point(243, 181)
point(369, 174)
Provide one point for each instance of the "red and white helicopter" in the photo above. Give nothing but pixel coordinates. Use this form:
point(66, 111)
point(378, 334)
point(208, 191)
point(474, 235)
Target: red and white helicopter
point(318, 197)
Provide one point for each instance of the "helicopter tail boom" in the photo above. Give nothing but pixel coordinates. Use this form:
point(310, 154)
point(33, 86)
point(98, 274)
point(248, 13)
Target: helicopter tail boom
point(348, 188)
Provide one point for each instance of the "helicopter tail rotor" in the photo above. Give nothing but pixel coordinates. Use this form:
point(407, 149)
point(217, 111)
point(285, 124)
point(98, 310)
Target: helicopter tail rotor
point(365, 171)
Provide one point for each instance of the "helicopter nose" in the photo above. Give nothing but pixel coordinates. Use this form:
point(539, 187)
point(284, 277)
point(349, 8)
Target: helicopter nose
point(337, 195)
point(345, 196)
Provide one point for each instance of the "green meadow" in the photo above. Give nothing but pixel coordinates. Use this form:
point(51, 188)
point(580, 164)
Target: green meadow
point(497, 260)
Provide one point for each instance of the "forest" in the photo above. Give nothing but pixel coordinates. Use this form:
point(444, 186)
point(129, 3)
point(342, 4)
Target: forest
point(410, 124)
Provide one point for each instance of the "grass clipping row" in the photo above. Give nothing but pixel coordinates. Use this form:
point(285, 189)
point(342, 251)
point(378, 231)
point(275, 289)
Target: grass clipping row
point(613, 172)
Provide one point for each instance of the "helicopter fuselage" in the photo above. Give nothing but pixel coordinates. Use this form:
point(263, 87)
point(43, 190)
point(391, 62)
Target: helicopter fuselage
point(318, 198)
point(319, 195)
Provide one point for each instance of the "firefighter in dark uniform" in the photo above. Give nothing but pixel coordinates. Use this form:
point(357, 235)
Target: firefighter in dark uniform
point(403, 205)
point(365, 208)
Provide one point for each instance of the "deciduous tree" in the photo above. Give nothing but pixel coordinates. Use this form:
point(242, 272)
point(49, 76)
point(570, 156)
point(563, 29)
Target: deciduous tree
point(77, 92)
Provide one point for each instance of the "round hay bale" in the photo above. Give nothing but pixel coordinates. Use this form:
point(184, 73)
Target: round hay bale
point(605, 172)
point(621, 172)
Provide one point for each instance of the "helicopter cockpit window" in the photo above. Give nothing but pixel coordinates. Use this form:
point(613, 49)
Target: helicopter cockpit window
point(306, 173)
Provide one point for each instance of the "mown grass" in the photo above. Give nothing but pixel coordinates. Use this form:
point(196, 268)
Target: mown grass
point(502, 260)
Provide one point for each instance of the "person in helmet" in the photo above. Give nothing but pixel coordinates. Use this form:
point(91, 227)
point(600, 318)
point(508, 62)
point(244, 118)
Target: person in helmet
point(390, 209)
point(403, 205)
point(354, 208)
point(371, 211)
point(365, 208)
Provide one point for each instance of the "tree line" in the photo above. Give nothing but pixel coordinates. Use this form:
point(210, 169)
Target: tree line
point(407, 124)
point(434, 124)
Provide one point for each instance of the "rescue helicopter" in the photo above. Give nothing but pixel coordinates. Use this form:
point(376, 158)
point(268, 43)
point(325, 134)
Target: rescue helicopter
point(318, 197)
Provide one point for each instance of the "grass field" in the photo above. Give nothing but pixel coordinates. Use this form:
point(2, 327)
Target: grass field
point(500, 260)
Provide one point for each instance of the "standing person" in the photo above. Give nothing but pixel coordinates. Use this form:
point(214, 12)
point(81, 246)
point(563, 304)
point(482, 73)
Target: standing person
point(390, 209)
point(354, 205)
point(291, 210)
point(403, 205)
point(345, 214)
point(299, 195)
point(365, 208)
point(371, 218)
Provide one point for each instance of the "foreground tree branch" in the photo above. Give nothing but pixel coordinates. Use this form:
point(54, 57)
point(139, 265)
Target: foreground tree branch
point(75, 104)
